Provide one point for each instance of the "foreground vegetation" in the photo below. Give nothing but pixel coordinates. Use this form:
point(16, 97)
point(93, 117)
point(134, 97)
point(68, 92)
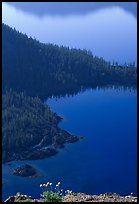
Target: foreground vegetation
point(56, 194)
point(29, 127)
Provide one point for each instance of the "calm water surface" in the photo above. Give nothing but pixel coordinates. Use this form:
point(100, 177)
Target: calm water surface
point(104, 161)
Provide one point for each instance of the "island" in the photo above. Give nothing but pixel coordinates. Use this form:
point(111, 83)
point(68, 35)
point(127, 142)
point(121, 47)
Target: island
point(26, 171)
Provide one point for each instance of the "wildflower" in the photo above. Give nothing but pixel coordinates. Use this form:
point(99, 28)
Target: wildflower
point(67, 191)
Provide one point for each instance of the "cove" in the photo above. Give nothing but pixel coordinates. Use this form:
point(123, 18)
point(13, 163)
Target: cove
point(104, 161)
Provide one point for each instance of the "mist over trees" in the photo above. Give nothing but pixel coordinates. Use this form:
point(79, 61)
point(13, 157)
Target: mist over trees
point(30, 70)
point(42, 69)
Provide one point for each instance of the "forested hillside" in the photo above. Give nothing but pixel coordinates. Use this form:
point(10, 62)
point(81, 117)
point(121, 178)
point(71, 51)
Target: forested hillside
point(26, 123)
point(42, 69)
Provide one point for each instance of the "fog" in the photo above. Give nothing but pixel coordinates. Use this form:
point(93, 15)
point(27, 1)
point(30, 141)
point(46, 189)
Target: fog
point(109, 32)
point(70, 8)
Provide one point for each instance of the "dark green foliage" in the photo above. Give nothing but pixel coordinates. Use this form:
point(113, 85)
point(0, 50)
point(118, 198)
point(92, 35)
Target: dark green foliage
point(28, 125)
point(26, 121)
point(42, 69)
point(50, 196)
point(21, 118)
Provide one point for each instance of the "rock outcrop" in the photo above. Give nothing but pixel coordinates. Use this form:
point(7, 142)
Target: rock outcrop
point(79, 197)
point(26, 171)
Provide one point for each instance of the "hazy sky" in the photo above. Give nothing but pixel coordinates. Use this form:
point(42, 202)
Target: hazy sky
point(70, 8)
point(109, 31)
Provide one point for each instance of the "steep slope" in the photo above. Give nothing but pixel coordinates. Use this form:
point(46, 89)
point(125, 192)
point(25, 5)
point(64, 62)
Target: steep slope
point(43, 69)
point(29, 127)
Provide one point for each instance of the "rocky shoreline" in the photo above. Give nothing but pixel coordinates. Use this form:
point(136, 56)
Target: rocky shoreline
point(44, 150)
point(39, 135)
point(107, 197)
point(79, 197)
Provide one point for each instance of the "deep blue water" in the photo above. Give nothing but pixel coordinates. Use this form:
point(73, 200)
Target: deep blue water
point(104, 161)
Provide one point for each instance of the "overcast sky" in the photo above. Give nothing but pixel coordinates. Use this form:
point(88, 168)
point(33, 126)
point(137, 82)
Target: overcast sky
point(70, 8)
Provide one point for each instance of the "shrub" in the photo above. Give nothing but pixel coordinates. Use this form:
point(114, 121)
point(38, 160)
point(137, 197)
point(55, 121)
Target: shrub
point(51, 195)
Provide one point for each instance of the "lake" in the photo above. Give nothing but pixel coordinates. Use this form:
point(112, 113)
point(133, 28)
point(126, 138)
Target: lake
point(104, 161)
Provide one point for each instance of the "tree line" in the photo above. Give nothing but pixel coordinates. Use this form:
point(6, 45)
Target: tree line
point(32, 70)
point(42, 69)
